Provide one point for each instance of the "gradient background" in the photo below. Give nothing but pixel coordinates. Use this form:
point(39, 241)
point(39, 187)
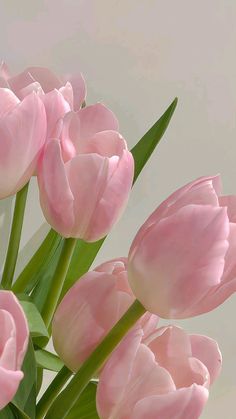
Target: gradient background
point(136, 57)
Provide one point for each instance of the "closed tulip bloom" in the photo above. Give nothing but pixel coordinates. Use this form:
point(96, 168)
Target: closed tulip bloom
point(13, 345)
point(22, 137)
point(166, 376)
point(90, 309)
point(182, 261)
point(86, 195)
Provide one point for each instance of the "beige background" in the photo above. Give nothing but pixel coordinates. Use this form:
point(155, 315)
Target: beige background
point(136, 57)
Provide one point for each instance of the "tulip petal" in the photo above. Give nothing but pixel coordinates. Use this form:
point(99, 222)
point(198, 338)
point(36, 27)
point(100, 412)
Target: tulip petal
point(32, 87)
point(202, 191)
point(114, 198)
point(22, 136)
point(7, 341)
point(9, 302)
point(9, 383)
point(8, 101)
point(20, 81)
point(67, 93)
point(96, 118)
point(56, 197)
point(4, 71)
point(79, 89)
point(207, 350)
point(47, 79)
point(56, 107)
point(116, 373)
point(80, 312)
point(183, 251)
point(184, 403)
point(229, 201)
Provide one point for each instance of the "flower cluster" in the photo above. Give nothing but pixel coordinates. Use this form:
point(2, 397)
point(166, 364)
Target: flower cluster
point(181, 263)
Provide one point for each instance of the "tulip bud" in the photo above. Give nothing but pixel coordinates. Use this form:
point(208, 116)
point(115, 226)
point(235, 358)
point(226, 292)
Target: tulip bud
point(13, 345)
point(90, 309)
point(182, 260)
point(163, 377)
point(84, 197)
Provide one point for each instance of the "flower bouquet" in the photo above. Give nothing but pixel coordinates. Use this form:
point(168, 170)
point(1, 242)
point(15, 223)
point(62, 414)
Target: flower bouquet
point(112, 358)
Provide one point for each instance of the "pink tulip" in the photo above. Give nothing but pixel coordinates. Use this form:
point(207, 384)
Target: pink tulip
point(22, 136)
point(58, 94)
point(85, 196)
point(13, 345)
point(182, 261)
point(166, 377)
point(90, 309)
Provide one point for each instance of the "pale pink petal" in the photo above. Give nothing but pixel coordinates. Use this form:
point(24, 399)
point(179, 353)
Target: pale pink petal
point(202, 191)
point(9, 383)
point(45, 77)
point(229, 201)
point(20, 81)
point(22, 136)
point(114, 198)
point(149, 323)
point(96, 118)
point(207, 350)
point(56, 198)
point(7, 341)
point(186, 403)
point(4, 71)
point(8, 101)
point(32, 87)
point(9, 302)
point(56, 107)
point(79, 89)
point(183, 251)
point(80, 312)
point(4, 83)
point(115, 375)
point(87, 176)
point(67, 93)
point(70, 129)
point(106, 143)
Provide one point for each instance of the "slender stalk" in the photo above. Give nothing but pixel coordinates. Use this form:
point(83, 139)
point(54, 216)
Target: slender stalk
point(58, 280)
point(14, 240)
point(51, 392)
point(24, 282)
point(69, 396)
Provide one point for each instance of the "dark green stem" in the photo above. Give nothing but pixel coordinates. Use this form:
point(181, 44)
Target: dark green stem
point(14, 240)
point(52, 391)
point(58, 280)
point(69, 396)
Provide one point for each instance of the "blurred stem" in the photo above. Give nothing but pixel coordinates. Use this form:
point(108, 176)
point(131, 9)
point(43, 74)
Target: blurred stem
point(15, 236)
point(52, 391)
point(24, 281)
point(69, 396)
point(58, 280)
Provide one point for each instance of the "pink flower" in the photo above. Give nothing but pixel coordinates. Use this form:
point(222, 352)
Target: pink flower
point(90, 309)
point(13, 345)
point(182, 260)
point(59, 95)
point(85, 196)
point(22, 136)
point(165, 377)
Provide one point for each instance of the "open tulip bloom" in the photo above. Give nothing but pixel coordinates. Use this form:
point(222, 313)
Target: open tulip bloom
point(113, 358)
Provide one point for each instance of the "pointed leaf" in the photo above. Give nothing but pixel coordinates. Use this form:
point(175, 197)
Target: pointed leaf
point(47, 360)
point(85, 407)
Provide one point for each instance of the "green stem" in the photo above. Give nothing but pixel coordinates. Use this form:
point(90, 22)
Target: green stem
point(58, 280)
point(24, 281)
point(69, 396)
point(52, 391)
point(14, 240)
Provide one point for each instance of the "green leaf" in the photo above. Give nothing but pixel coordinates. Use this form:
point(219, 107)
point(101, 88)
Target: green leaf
point(40, 292)
point(18, 413)
point(47, 360)
point(85, 253)
point(32, 272)
point(36, 324)
point(7, 413)
point(25, 398)
point(85, 407)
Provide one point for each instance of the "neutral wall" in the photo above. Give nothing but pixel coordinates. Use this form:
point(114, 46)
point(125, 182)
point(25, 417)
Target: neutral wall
point(136, 57)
